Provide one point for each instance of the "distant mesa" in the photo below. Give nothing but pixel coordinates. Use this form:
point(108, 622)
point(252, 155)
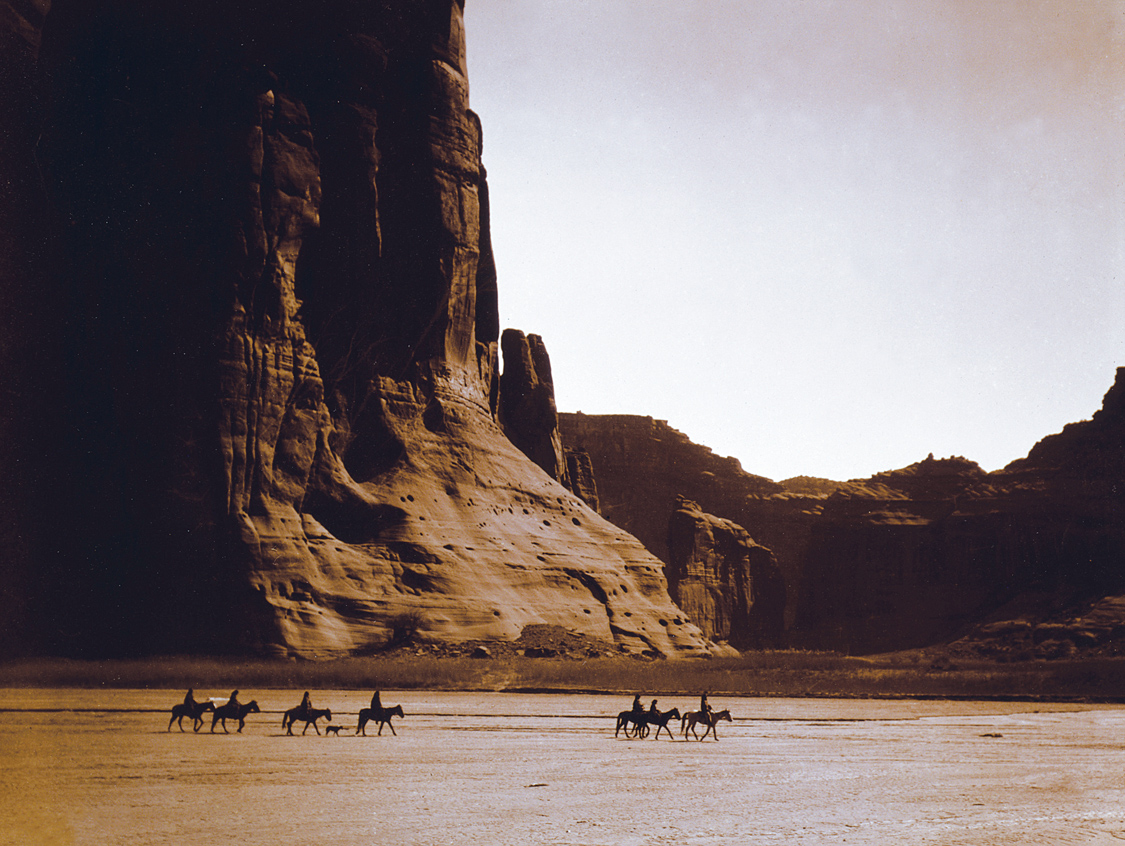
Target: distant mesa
point(909, 557)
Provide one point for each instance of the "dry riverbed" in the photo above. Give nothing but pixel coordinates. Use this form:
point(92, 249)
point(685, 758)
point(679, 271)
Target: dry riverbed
point(98, 767)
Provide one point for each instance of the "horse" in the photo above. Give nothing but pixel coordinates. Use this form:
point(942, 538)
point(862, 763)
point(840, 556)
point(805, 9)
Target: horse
point(237, 711)
point(308, 715)
point(625, 718)
point(658, 719)
point(196, 711)
point(692, 718)
point(380, 715)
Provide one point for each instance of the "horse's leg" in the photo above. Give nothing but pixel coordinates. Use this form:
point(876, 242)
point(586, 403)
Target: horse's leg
point(241, 723)
point(315, 726)
point(391, 726)
point(172, 721)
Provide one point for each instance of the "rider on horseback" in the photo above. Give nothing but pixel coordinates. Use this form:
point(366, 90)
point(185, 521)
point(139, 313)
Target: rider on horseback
point(189, 700)
point(233, 702)
point(303, 710)
point(638, 708)
point(376, 704)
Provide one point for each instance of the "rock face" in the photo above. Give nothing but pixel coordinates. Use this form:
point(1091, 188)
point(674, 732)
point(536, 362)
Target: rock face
point(914, 556)
point(728, 585)
point(270, 285)
point(25, 343)
point(922, 554)
point(527, 402)
point(642, 466)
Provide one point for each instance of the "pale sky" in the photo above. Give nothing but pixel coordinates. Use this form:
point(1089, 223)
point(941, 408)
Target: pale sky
point(826, 237)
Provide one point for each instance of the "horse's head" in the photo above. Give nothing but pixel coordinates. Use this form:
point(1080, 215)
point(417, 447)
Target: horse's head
point(252, 707)
point(207, 706)
point(328, 713)
point(723, 715)
point(674, 713)
point(398, 710)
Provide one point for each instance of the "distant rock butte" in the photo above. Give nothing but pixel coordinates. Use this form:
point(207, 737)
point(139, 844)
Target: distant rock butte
point(272, 282)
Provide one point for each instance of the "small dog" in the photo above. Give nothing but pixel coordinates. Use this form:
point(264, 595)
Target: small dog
point(332, 730)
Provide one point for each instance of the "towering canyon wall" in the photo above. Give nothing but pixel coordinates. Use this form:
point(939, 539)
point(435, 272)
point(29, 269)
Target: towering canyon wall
point(271, 319)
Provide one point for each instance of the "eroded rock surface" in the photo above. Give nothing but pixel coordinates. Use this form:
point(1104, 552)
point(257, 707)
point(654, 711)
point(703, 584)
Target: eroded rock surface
point(272, 287)
point(726, 583)
point(925, 553)
point(642, 466)
point(919, 555)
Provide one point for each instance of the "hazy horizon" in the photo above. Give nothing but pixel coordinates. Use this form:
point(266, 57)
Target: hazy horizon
point(826, 238)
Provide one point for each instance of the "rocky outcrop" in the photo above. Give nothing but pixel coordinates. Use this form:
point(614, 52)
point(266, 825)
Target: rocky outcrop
point(580, 472)
point(727, 584)
point(642, 466)
point(923, 554)
point(915, 556)
point(270, 281)
point(527, 402)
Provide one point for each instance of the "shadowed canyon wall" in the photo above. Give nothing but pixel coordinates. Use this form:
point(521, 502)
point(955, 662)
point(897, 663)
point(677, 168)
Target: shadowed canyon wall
point(926, 553)
point(645, 472)
point(724, 581)
point(262, 329)
point(909, 557)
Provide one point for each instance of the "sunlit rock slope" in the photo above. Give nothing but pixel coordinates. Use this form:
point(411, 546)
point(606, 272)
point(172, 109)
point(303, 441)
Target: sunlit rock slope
point(266, 412)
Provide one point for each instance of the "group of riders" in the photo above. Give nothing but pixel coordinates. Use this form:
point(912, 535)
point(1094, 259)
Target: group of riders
point(639, 709)
point(302, 710)
point(637, 721)
point(640, 718)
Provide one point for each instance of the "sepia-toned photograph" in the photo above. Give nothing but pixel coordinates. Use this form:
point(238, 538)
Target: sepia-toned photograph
point(591, 423)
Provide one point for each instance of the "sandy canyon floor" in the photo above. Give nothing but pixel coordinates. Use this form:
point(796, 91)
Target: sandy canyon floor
point(98, 767)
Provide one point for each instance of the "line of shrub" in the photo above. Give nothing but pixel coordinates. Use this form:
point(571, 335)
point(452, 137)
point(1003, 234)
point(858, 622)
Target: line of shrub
point(771, 673)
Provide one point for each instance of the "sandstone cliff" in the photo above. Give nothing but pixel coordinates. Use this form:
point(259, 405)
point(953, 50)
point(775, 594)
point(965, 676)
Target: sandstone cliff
point(909, 557)
point(725, 582)
point(271, 290)
point(642, 466)
point(922, 554)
